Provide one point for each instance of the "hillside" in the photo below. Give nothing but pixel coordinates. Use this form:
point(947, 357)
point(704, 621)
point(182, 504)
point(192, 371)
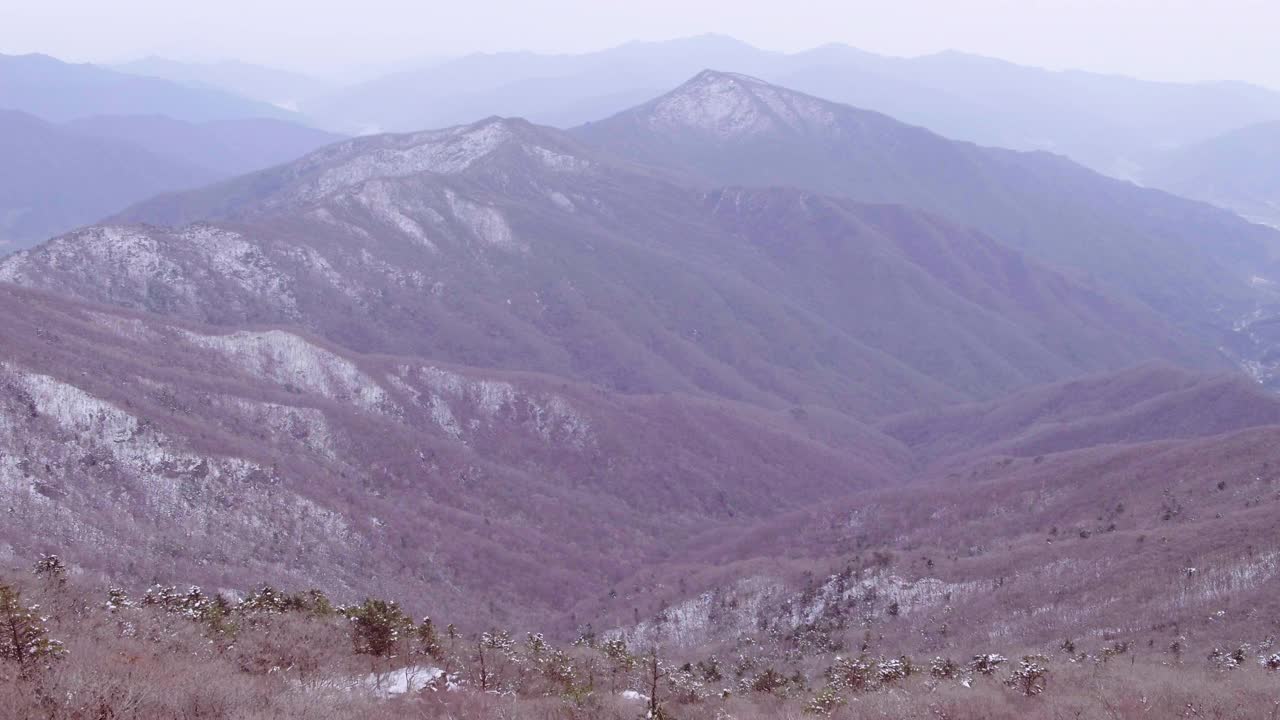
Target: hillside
point(1162, 536)
point(230, 458)
point(1139, 405)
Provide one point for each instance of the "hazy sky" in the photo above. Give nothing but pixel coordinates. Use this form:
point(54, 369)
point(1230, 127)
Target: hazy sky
point(1160, 39)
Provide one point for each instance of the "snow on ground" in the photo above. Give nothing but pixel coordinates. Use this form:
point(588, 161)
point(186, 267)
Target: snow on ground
point(403, 680)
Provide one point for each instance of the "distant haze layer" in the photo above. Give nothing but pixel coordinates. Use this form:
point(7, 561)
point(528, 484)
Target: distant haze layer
point(1159, 39)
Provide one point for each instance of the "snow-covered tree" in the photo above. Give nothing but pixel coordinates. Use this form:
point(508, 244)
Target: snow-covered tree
point(1030, 676)
point(51, 568)
point(987, 664)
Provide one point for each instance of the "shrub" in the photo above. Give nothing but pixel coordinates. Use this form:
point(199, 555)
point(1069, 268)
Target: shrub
point(1031, 675)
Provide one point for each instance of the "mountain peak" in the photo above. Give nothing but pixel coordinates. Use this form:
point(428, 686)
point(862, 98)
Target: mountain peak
point(441, 152)
point(731, 105)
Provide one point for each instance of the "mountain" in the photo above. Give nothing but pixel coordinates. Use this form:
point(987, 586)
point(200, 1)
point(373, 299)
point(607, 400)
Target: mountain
point(227, 147)
point(58, 91)
point(281, 88)
point(1203, 269)
point(1106, 122)
point(506, 245)
point(147, 447)
point(54, 179)
point(560, 90)
point(59, 177)
point(1236, 170)
point(1109, 123)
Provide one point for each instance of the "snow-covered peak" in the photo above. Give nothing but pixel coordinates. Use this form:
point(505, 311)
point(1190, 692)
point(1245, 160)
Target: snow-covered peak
point(445, 152)
point(730, 105)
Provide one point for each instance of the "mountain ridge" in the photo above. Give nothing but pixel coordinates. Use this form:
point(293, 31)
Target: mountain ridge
point(438, 231)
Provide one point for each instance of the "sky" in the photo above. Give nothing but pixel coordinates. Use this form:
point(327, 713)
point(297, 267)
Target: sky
point(1186, 40)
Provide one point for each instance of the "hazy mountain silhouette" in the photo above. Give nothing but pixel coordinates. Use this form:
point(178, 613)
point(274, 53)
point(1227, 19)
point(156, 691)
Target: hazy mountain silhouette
point(54, 179)
point(228, 147)
point(58, 91)
point(1106, 122)
point(1237, 170)
point(58, 177)
point(265, 84)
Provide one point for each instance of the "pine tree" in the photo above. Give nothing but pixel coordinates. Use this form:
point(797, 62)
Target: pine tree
point(377, 627)
point(51, 568)
point(24, 635)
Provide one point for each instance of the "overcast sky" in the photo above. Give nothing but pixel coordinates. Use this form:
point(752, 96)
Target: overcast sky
point(1158, 39)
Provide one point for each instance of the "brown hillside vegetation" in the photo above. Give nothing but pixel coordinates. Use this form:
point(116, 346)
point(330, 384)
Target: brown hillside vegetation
point(1148, 543)
point(72, 651)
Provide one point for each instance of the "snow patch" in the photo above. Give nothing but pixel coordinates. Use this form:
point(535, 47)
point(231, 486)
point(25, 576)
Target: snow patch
point(483, 222)
point(727, 106)
point(376, 197)
point(296, 364)
point(442, 152)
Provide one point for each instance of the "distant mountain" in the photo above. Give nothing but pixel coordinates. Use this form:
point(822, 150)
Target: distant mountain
point(58, 177)
point(1204, 269)
point(506, 245)
point(1106, 122)
point(53, 179)
point(271, 85)
point(1239, 170)
point(58, 91)
point(562, 90)
point(228, 147)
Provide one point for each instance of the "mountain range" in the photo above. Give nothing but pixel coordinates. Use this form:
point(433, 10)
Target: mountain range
point(1149, 246)
point(55, 179)
point(503, 244)
point(1109, 123)
point(58, 91)
point(737, 359)
point(281, 88)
